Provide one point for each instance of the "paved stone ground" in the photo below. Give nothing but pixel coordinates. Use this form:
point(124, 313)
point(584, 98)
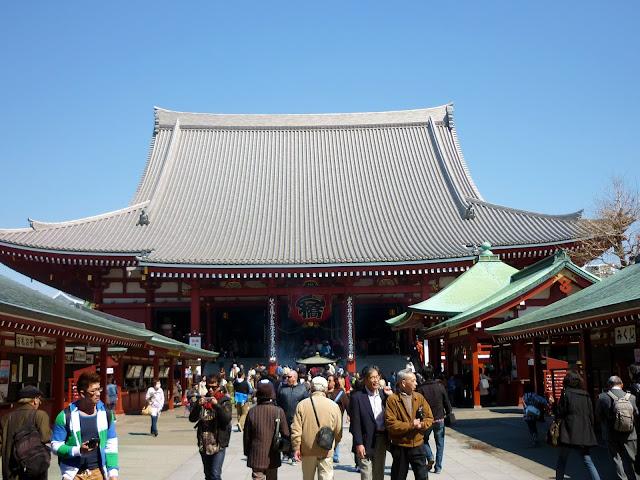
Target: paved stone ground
point(485, 444)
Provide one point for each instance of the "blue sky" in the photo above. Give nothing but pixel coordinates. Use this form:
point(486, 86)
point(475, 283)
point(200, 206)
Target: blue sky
point(545, 94)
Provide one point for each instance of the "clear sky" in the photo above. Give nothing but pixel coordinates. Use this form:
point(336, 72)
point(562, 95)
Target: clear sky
point(546, 93)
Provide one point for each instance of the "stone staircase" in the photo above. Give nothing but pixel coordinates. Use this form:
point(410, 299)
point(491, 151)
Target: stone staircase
point(386, 363)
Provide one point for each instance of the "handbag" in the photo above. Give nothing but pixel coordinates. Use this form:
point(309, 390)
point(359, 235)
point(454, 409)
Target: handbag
point(450, 420)
point(553, 435)
point(146, 410)
point(325, 436)
point(532, 411)
point(279, 443)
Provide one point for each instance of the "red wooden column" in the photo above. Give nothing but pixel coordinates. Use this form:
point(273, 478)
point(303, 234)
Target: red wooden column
point(522, 367)
point(434, 354)
point(538, 372)
point(448, 352)
point(156, 366)
point(272, 333)
point(118, 375)
point(209, 326)
point(183, 378)
point(587, 363)
point(195, 308)
point(475, 365)
point(171, 382)
point(58, 380)
point(350, 341)
point(104, 360)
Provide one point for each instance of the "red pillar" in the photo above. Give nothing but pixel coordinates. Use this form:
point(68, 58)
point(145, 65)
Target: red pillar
point(183, 378)
point(522, 367)
point(171, 382)
point(350, 343)
point(272, 334)
point(209, 326)
point(538, 372)
point(475, 365)
point(118, 375)
point(156, 366)
point(195, 308)
point(58, 379)
point(104, 360)
point(148, 317)
point(434, 354)
point(587, 363)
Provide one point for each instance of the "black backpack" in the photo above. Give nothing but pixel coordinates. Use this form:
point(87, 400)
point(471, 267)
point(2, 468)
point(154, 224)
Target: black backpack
point(30, 458)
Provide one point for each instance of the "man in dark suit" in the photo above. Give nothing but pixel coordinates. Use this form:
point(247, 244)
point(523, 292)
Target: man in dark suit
point(622, 445)
point(367, 424)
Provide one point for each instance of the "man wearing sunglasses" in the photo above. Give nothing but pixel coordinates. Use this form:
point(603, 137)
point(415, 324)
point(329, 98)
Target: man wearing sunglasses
point(213, 416)
point(84, 435)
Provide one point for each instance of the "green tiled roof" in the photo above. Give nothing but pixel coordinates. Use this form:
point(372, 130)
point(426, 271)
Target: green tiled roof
point(521, 282)
point(487, 276)
point(398, 319)
point(21, 300)
point(615, 295)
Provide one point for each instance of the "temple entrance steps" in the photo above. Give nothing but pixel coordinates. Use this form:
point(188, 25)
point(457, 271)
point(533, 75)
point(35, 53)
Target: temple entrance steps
point(386, 363)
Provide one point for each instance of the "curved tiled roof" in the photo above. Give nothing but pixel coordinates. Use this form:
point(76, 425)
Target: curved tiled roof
point(23, 302)
point(327, 189)
point(616, 295)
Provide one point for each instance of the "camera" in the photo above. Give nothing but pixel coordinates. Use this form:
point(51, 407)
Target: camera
point(420, 413)
point(195, 398)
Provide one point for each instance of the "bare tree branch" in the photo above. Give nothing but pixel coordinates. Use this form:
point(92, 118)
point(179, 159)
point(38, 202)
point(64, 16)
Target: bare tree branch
point(615, 230)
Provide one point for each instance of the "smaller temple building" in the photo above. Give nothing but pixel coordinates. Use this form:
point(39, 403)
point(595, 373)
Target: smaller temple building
point(453, 323)
point(594, 331)
point(49, 343)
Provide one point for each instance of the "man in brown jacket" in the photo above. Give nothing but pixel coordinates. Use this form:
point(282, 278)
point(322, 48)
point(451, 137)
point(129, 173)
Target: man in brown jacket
point(407, 416)
point(29, 398)
point(305, 428)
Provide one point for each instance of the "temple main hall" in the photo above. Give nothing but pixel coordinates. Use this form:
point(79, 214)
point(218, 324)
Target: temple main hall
point(258, 234)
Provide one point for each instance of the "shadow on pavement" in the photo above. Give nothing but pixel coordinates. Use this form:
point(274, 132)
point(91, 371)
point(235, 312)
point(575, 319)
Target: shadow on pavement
point(504, 428)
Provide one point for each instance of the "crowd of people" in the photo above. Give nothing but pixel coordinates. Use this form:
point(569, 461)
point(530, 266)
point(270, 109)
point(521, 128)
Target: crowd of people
point(298, 417)
point(575, 419)
point(300, 405)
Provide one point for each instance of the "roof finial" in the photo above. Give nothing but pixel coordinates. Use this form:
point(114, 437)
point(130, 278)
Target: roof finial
point(470, 213)
point(450, 116)
point(143, 219)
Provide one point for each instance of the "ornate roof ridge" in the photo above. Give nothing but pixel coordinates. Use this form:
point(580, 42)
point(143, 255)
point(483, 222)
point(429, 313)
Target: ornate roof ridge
point(36, 225)
point(166, 118)
point(565, 216)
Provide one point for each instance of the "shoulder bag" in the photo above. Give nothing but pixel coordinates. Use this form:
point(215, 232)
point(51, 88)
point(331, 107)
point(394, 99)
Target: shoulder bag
point(553, 435)
point(146, 410)
point(450, 420)
point(326, 436)
point(279, 443)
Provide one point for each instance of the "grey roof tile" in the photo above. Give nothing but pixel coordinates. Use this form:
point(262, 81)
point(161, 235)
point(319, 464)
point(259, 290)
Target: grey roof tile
point(302, 190)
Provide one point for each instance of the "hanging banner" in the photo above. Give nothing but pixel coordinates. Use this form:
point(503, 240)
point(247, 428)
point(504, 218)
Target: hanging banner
point(310, 308)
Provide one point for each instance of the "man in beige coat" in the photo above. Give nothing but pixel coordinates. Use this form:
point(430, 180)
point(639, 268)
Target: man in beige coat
point(305, 428)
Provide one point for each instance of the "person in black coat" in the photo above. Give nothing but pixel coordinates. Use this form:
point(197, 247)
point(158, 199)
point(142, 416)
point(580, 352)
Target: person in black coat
point(438, 399)
point(366, 410)
point(575, 412)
